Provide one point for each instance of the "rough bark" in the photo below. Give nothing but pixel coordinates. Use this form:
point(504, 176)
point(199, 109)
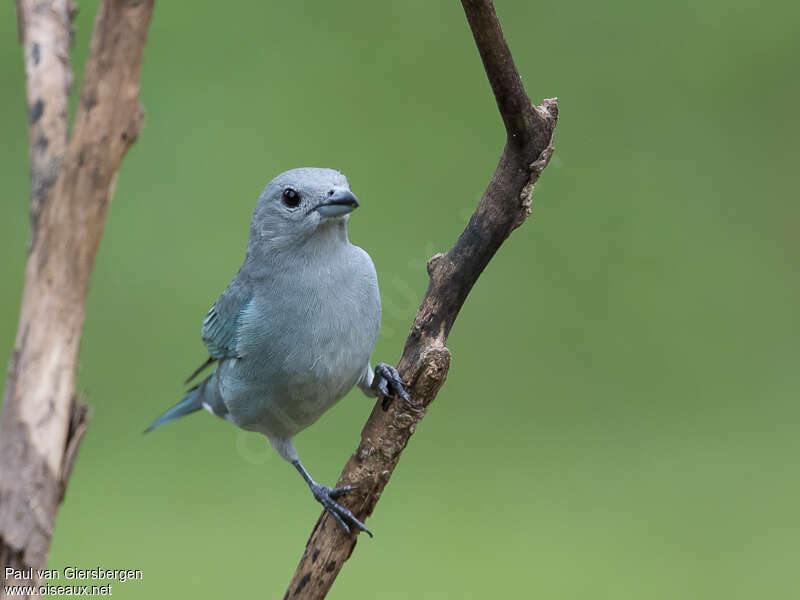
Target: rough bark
point(504, 206)
point(72, 182)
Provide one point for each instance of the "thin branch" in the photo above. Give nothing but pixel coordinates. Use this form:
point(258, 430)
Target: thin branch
point(519, 118)
point(504, 206)
point(72, 184)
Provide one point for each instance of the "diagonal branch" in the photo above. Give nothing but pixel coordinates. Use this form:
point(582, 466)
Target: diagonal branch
point(72, 184)
point(504, 206)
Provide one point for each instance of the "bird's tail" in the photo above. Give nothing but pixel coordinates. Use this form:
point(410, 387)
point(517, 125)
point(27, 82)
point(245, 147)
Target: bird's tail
point(191, 403)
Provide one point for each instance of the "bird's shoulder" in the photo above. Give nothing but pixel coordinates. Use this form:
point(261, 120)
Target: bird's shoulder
point(362, 262)
point(363, 282)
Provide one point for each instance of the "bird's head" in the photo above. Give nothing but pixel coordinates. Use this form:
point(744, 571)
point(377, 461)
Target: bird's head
point(302, 205)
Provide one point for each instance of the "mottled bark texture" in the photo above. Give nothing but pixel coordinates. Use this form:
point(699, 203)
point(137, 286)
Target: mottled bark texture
point(504, 206)
point(72, 182)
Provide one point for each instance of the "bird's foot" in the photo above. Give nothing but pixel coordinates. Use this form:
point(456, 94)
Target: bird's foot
point(389, 383)
point(325, 496)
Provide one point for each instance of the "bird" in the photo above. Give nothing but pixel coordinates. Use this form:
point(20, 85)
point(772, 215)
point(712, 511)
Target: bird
point(295, 329)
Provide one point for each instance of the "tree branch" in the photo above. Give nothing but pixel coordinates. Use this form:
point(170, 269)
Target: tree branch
point(44, 31)
point(504, 206)
point(72, 182)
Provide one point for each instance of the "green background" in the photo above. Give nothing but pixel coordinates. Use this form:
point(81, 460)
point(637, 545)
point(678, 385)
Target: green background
point(621, 419)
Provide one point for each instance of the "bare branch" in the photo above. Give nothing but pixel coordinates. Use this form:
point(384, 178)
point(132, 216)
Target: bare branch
point(504, 206)
point(44, 29)
point(72, 184)
point(519, 116)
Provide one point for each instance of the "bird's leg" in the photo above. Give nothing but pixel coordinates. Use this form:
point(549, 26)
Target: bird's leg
point(388, 382)
point(325, 496)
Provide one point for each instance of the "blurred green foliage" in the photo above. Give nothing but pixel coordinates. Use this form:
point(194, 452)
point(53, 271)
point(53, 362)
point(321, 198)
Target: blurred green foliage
point(621, 419)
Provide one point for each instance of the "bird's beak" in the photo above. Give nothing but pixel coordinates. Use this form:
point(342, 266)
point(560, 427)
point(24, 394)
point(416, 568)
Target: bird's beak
point(337, 204)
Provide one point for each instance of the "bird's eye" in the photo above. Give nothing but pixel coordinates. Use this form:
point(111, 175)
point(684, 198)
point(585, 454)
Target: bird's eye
point(291, 198)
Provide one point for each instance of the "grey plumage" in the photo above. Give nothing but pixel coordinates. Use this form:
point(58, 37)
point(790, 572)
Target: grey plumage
point(294, 330)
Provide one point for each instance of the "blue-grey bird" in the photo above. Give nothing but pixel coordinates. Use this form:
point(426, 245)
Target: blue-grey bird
point(294, 330)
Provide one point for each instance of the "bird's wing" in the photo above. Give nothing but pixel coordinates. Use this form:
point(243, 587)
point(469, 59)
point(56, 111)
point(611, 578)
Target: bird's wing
point(220, 330)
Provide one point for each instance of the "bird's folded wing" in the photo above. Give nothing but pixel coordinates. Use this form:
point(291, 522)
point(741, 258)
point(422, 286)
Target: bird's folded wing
point(221, 326)
point(220, 330)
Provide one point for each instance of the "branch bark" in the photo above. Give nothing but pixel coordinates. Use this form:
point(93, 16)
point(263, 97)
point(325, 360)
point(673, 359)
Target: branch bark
point(505, 205)
point(72, 182)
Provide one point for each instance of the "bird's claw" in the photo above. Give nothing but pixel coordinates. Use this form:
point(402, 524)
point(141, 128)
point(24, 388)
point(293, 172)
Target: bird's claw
point(334, 492)
point(325, 496)
point(389, 384)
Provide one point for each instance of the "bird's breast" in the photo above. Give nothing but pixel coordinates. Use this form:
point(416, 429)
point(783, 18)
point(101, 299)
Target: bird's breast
point(304, 343)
